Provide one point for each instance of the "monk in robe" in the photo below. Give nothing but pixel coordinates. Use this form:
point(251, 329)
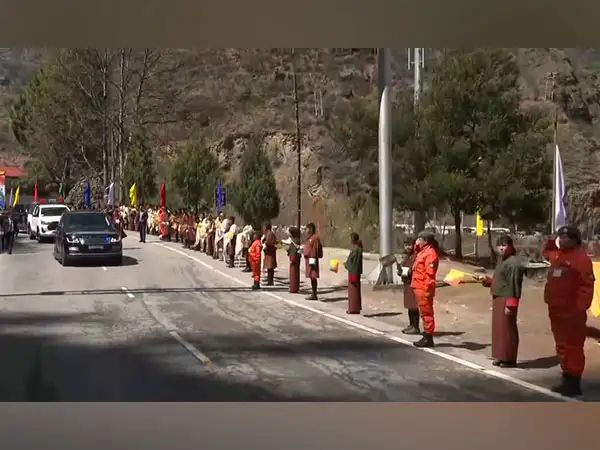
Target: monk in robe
point(132, 221)
point(164, 224)
point(294, 255)
point(255, 255)
point(354, 266)
point(203, 228)
point(312, 251)
point(229, 242)
point(242, 244)
point(505, 287)
point(270, 249)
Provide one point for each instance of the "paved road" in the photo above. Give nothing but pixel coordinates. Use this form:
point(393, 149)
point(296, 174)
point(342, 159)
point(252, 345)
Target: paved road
point(164, 328)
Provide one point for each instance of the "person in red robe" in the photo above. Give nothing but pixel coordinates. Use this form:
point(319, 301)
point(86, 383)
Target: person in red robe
point(270, 241)
point(294, 255)
point(569, 293)
point(164, 223)
point(312, 251)
point(255, 256)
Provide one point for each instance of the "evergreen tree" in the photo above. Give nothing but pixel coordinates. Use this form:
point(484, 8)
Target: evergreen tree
point(255, 197)
point(141, 169)
point(195, 175)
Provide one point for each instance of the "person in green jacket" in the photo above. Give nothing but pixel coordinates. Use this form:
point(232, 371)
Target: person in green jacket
point(354, 266)
point(505, 287)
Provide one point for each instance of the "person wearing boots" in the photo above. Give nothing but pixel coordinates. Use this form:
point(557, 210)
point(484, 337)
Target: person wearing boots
point(354, 266)
point(410, 301)
point(569, 293)
point(270, 243)
point(312, 251)
point(255, 255)
point(505, 287)
point(294, 255)
point(424, 273)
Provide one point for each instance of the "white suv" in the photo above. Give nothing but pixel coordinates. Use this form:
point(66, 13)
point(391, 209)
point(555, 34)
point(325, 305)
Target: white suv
point(44, 221)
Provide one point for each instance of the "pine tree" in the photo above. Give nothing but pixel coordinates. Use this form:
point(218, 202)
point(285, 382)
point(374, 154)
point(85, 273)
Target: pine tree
point(195, 175)
point(141, 168)
point(255, 197)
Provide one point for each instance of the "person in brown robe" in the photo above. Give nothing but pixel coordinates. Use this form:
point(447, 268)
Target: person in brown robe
point(505, 288)
point(190, 230)
point(230, 245)
point(354, 266)
point(210, 236)
point(410, 300)
point(312, 251)
point(294, 255)
point(270, 249)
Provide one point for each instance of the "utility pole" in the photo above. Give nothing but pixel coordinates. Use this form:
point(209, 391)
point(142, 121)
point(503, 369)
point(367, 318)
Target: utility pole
point(298, 146)
point(386, 236)
point(417, 64)
point(555, 141)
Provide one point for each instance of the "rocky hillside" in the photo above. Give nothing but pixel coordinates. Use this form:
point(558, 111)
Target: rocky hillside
point(233, 93)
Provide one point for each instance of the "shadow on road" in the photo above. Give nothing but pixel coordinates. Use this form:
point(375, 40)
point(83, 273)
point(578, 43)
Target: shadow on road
point(135, 291)
point(540, 363)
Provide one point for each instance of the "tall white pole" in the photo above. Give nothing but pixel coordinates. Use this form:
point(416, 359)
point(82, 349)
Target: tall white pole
point(386, 244)
point(418, 66)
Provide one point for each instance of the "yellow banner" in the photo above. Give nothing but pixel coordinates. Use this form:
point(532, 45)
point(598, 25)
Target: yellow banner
point(17, 195)
point(479, 225)
point(595, 308)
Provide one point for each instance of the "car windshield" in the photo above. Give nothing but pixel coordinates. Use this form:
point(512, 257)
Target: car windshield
point(87, 222)
point(52, 212)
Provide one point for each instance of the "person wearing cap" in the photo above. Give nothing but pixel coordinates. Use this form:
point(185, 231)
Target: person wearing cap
point(568, 293)
point(410, 301)
point(424, 273)
point(505, 287)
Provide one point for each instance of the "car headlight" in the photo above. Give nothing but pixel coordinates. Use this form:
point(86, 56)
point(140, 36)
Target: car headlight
point(73, 240)
point(114, 240)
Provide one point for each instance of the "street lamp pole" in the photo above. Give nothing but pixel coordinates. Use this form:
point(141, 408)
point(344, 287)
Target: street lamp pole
point(298, 146)
point(386, 241)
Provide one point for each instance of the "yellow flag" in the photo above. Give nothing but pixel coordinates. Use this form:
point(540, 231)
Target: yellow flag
point(456, 277)
point(595, 308)
point(334, 265)
point(16, 202)
point(133, 195)
point(479, 225)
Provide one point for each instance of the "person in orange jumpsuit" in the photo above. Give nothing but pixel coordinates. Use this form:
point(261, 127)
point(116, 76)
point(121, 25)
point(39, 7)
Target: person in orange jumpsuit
point(255, 255)
point(424, 272)
point(568, 293)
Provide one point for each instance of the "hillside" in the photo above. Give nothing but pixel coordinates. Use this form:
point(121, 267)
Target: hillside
point(232, 93)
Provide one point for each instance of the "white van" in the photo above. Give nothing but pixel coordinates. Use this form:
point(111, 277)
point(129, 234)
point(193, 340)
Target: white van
point(44, 221)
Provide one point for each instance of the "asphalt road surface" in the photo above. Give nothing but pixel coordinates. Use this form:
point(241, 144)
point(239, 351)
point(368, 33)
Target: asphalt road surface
point(165, 328)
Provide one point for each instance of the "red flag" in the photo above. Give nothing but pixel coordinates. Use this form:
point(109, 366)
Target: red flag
point(35, 192)
point(163, 195)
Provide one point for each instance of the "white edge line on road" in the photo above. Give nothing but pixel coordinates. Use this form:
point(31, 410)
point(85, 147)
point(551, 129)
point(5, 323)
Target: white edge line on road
point(455, 359)
point(191, 348)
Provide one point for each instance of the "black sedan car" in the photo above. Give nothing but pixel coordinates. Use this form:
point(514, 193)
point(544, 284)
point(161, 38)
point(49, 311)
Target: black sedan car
point(87, 235)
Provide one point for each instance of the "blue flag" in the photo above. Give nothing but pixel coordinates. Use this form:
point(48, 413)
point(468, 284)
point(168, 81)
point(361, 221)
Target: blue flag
point(87, 196)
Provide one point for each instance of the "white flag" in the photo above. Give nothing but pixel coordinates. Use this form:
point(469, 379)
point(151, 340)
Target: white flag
point(560, 211)
point(110, 195)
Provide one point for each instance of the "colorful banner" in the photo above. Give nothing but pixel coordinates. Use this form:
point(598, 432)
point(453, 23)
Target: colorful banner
point(2, 191)
point(479, 225)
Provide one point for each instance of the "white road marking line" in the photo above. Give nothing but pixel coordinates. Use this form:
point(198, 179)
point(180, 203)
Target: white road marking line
point(192, 349)
point(351, 323)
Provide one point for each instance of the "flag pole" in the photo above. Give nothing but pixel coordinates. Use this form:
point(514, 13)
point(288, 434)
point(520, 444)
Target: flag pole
point(554, 162)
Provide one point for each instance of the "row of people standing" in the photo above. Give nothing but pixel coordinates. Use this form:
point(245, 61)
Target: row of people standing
point(568, 294)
